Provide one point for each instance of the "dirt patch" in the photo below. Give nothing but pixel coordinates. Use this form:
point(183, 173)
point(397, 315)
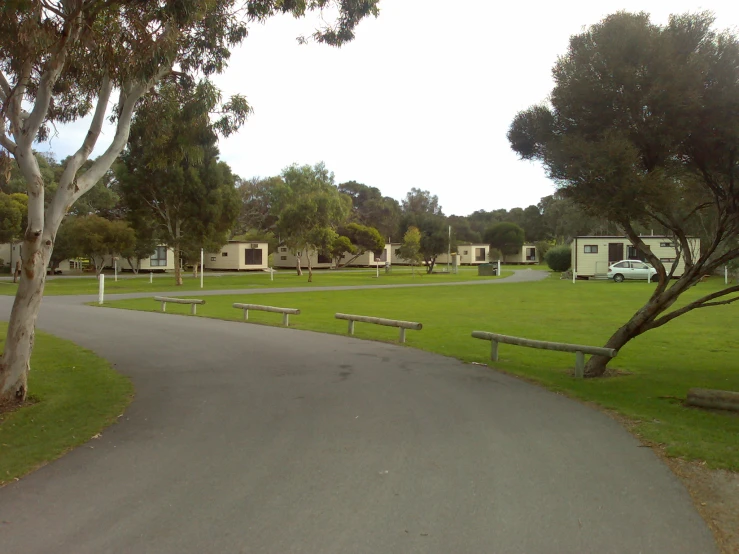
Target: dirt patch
point(10, 405)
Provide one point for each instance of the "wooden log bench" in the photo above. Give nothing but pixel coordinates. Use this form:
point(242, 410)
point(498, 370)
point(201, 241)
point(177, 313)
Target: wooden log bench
point(192, 301)
point(286, 312)
point(402, 325)
point(579, 349)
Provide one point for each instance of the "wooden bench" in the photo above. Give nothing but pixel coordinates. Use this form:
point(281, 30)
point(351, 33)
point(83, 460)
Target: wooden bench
point(192, 301)
point(579, 349)
point(286, 312)
point(403, 325)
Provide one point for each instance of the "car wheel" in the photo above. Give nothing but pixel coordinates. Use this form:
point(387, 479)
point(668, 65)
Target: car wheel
point(618, 278)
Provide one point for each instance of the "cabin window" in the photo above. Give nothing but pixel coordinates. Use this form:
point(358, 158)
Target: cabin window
point(590, 249)
point(667, 260)
point(283, 257)
point(212, 258)
point(224, 254)
point(465, 252)
point(159, 257)
point(479, 254)
point(667, 245)
point(324, 259)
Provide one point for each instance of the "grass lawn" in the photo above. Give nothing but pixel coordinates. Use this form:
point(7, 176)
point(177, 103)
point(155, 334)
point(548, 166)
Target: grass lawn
point(75, 395)
point(127, 282)
point(697, 350)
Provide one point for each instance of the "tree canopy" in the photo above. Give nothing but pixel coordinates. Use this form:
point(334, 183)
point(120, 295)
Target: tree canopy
point(642, 127)
point(309, 208)
point(506, 237)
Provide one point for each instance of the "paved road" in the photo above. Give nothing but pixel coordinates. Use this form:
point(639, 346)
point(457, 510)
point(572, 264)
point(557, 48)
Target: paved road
point(245, 438)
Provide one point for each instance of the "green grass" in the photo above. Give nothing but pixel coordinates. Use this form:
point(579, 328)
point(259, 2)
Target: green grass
point(76, 395)
point(697, 350)
point(251, 280)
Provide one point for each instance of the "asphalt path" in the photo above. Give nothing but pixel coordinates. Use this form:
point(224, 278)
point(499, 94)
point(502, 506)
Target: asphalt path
point(255, 439)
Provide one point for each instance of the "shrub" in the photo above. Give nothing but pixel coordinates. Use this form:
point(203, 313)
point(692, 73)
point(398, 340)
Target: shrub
point(494, 255)
point(559, 257)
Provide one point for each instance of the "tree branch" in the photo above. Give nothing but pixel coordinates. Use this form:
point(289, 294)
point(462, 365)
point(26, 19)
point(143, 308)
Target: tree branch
point(103, 163)
point(7, 143)
point(5, 90)
point(48, 79)
point(700, 303)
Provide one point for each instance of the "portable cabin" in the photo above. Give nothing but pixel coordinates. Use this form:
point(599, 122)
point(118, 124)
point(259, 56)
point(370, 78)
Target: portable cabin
point(286, 259)
point(526, 255)
point(592, 255)
point(238, 256)
point(368, 259)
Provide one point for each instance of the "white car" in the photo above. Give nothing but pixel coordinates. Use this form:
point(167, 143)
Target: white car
point(631, 269)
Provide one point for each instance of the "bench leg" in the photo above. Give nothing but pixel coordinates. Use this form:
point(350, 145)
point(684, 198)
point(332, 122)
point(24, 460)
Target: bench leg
point(164, 306)
point(351, 327)
point(285, 320)
point(494, 350)
point(579, 364)
point(402, 335)
point(193, 309)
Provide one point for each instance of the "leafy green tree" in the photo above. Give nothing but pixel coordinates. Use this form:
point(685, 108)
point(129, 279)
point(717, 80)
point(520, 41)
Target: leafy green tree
point(62, 62)
point(364, 239)
point(462, 230)
point(371, 209)
point(256, 195)
point(97, 238)
point(411, 247)
point(309, 209)
point(419, 201)
point(11, 216)
point(506, 237)
point(170, 175)
point(340, 247)
point(434, 235)
point(642, 128)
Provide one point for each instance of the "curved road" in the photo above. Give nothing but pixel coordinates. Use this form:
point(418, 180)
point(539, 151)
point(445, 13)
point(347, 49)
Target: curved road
point(245, 438)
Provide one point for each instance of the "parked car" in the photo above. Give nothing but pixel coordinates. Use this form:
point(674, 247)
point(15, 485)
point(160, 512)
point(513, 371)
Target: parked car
point(631, 269)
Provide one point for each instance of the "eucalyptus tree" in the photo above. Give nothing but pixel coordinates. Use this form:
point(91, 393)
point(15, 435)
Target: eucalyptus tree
point(642, 128)
point(62, 60)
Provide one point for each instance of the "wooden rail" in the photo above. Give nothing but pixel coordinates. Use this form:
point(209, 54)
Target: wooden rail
point(579, 349)
point(286, 312)
point(403, 325)
point(192, 301)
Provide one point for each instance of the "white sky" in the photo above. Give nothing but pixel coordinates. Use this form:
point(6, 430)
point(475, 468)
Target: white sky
point(422, 98)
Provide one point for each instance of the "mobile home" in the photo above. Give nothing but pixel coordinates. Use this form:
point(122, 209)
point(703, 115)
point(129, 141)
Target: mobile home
point(368, 259)
point(592, 255)
point(238, 256)
point(286, 259)
point(526, 255)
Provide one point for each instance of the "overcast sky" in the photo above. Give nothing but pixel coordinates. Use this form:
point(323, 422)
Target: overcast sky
point(422, 98)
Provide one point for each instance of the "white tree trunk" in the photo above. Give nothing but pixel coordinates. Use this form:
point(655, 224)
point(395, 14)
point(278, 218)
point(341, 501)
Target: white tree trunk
point(16, 361)
point(299, 269)
point(43, 222)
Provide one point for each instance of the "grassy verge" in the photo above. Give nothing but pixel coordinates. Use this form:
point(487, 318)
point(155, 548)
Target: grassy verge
point(75, 395)
point(251, 280)
point(696, 350)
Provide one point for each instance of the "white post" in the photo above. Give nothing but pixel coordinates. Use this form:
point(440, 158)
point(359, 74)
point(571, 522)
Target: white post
point(574, 276)
point(201, 268)
point(498, 268)
point(151, 277)
point(115, 270)
point(726, 275)
point(101, 289)
point(449, 249)
point(377, 265)
point(271, 274)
